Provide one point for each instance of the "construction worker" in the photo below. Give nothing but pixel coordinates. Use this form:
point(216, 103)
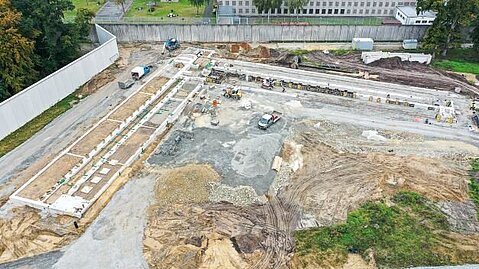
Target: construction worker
point(282, 85)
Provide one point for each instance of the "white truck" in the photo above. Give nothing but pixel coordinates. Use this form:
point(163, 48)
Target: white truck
point(269, 119)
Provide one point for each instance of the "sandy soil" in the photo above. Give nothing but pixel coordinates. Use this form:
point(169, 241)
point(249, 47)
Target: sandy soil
point(155, 85)
point(48, 178)
point(129, 107)
point(89, 142)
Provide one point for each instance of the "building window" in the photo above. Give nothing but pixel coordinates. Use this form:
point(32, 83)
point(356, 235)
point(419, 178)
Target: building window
point(285, 11)
point(240, 10)
point(362, 4)
point(246, 10)
point(355, 11)
point(386, 4)
point(336, 11)
point(311, 3)
point(348, 11)
point(233, 3)
point(343, 4)
point(360, 11)
point(304, 11)
point(323, 11)
point(246, 3)
point(316, 11)
point(373, 11)
point(337, 4)
point(368, 4)
point(324, 4)
point(341, 11)
point(350, 4)
point(240, 3)
point(367, 11)
point(355, 4)
point(234, 10)
point(317, 4)
point(375, 4)
point(330, 4)
point(330, 11)
point(311, 11)
point(424, 21)
point(227, 3)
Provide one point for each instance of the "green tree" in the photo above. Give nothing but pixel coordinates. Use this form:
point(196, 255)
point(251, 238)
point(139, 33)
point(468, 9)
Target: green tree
point(56, 43)
point(16, 53)
point(198, 4)
point(452, 15)
point(475, 34)
point(296, 5)
point(83, 21)
point(266, 5)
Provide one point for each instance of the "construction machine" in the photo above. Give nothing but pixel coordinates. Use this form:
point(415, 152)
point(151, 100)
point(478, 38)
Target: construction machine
point(267, 83)
point(170, 45)
point(232, 93)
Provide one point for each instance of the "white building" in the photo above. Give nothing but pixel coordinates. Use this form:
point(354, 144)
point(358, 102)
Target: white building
point(407, 15)
point(326, 8)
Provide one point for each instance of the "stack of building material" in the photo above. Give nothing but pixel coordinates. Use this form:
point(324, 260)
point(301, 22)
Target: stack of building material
point(369, 57)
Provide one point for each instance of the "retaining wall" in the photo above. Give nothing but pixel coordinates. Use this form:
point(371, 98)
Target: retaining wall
point(262, 33)
point(32, 101)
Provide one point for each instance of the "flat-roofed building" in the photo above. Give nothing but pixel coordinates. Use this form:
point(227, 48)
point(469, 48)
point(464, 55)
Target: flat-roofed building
point(408, 15)
point(326, 8)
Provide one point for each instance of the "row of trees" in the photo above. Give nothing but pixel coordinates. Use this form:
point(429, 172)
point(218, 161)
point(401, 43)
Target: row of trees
point(34, 41)
point(452, 17)
point(267, 5)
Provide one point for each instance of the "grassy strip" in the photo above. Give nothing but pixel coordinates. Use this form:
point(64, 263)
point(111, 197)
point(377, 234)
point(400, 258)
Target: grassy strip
point(88, 4)
point(22, 134)
point(457, 66)
point(474, 183)
point(400, 235)
point(183, 8)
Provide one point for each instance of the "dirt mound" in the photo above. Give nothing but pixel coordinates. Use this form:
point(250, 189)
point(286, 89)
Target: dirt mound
point(330, 184)
point(27, 234)
point(185, 185)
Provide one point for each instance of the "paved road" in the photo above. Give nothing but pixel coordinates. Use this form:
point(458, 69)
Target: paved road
point(112, 10)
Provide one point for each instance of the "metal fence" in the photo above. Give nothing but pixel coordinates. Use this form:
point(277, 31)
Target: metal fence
point(154, 20)
point(32, 101)
point(262, 20)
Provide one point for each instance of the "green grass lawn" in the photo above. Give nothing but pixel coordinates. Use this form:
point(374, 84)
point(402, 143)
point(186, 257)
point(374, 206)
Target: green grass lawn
point(400, 235)
point(32, 127)
point(459, 60)
point(88, 4)
point(183, 8)
point(457, 66)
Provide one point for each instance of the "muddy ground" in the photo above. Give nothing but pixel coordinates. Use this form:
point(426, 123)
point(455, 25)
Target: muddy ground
point(208, 198)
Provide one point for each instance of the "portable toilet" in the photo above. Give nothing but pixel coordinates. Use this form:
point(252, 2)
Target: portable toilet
point(363, 43)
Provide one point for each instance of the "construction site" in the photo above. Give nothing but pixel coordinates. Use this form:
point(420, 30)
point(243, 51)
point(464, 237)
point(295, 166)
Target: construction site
point(221, 154)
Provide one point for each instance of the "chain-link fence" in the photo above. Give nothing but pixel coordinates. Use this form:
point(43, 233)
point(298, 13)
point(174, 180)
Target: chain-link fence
point(262, 20)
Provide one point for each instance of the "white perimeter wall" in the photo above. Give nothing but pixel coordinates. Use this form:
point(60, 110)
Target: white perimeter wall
point(32, 101)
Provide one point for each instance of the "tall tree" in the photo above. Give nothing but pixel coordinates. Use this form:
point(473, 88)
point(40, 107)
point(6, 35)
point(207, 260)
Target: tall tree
point(475, 34)
point(266, 5)
point(296, 5)
point(56, 43)
point(198, 4)
point(451, 16)
point(16, 53)
point(83, 21)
